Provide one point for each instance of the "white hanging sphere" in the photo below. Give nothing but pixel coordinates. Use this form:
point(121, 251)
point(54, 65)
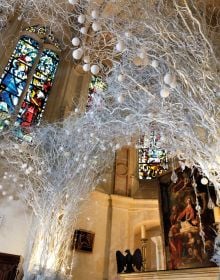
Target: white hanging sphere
point(173, 84)
point(155, 63)
point(168, 79)
point(86, 67)
point(121, 99)
point(75, 41)
point(204, 181)
point(77, 54)
point(128, 34)
point(120, 46)
point(117, 146)
point(137, 61)
point(95, 69)
point(83, 30)
point(4, 193)
point(86, 59)
point(121, 78)
point(10, 198)
point(81, 18)
point(94, 14)
point(164, 92)
point(96, 26)
point(73, 2)
point(142, 54)
point(20, 18)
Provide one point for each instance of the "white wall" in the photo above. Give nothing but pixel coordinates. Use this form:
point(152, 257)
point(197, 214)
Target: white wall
point(14, 227)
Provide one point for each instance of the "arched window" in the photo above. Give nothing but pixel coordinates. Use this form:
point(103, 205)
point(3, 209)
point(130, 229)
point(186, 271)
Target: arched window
point(27, 80)
point(152, 158)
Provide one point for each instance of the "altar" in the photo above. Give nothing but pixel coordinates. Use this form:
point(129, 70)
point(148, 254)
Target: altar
point(209, 273)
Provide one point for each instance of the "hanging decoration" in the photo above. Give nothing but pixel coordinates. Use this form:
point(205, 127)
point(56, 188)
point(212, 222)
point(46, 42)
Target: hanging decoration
point(168, 58)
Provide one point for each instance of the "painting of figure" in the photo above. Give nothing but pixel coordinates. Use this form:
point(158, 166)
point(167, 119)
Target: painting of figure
point(83, 240)
point(188, 233)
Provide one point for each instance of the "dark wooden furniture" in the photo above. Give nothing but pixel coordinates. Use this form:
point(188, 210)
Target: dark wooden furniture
point(10, 267)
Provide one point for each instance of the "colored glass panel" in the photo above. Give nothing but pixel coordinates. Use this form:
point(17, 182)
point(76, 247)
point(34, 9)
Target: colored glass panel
point(152, 158)
point(35, 100)
point(14, 77)
point(95, 85)
point(45, 34)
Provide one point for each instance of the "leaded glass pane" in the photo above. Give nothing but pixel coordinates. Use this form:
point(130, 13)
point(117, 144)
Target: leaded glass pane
point(152, 158)
point(95, 85)
point(37, 94)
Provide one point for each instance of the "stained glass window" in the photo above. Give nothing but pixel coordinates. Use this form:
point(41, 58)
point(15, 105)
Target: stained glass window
point(152, 158)
point(45, 34)
point(36, 97)
point(14, 77)
point(96, 84)
point(31, 97)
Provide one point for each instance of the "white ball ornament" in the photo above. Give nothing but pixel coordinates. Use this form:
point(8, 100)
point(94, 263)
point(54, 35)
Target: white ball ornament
point(154, 63)
point(10, 198)
point(4, 193)
point(164, 92)
point(75, 41)
point(173, 84)
point(121, 99)
point(120, 46)
point(121, 78)
point(128, 34)
point(86, 67)
point(77, 54)
point(169, 79)
point(83, 30)
point(86, 59)
point(95, 69)
point(94, 14)
point(96, 26)
point(204, 181)
point(137, 61)
point(72, 2)
point(81, 18)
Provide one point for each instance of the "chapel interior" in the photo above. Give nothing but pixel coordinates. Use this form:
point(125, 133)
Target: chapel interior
point(124, 211)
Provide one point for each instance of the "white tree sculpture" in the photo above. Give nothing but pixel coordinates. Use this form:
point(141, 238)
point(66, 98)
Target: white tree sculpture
point(161, 63)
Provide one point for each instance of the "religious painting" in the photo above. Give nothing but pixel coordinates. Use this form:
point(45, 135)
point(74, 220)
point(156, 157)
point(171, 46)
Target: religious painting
point(188, 233)
point(83, 240)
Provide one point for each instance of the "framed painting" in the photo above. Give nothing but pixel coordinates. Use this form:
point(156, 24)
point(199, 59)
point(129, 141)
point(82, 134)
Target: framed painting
point(83, 240)
point(183, 228)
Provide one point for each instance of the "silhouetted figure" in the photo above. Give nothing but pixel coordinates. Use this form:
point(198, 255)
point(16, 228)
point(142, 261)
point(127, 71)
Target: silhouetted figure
point(127, 263)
